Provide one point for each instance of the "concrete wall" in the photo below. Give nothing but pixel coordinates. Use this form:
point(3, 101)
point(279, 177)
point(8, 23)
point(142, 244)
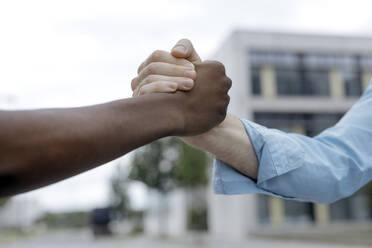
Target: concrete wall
point(167, 214)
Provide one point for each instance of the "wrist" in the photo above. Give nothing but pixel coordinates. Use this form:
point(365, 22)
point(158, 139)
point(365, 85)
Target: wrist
point(160, 111)
point(168, 108)
point(175, 115)
point(206, 140)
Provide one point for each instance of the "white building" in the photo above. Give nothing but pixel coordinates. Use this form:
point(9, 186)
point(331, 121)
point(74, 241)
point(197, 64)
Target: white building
point(19, 212)
point(168, 214)
point(295, 82)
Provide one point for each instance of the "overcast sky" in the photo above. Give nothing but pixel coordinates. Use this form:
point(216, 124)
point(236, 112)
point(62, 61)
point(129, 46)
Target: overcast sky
point(73, 53)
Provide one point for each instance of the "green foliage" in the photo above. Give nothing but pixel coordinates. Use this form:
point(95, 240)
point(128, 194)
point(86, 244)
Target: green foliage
point(136, 217)
point(65, 220)
point(154, 164)
point(169, 163)
point(192, 167)
point(3, 201)
point(197, 219)
point(367, 190)
point(119, 192)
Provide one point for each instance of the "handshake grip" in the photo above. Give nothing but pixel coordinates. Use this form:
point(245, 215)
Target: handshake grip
point(205, 105)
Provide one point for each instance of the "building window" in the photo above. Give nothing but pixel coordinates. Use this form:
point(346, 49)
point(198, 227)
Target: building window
point(255, 79)
point(288, 81)
point(315, 82)
point(312, 124)
point(353, 82)
point(286, 71)
point(308, 73)
point(366, 70)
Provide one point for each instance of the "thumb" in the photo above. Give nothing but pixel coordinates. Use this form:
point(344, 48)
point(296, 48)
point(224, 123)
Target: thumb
point(184, 49)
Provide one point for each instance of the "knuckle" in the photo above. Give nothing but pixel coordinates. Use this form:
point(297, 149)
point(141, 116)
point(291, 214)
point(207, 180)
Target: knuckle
point(219, 64)
point(227, 99)
point(225, 84)
point(152, 68)
point(142, 91)
point(216, 65)
point(220, 67)
point(228, 83)
point(134, 83)
point(156, 55)
point(136, 92)
point(140, 68)
point(222, 114)
point(149, 79)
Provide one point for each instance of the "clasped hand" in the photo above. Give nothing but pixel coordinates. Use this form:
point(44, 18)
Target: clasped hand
point(201, 87)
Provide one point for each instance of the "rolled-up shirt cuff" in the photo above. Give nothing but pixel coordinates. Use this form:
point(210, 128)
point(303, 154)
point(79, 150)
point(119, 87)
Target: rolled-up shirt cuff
point(277, 153)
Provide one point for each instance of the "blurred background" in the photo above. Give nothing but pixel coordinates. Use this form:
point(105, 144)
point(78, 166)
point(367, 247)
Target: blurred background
point(296, 65)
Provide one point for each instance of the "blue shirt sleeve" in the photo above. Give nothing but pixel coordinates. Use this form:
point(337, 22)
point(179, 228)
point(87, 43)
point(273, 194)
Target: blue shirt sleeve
point(323, 169)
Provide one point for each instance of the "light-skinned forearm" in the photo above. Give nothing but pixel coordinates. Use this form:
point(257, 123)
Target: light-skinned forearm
point(229, 143)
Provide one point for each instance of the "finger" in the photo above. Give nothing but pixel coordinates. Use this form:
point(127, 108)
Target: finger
point(166, 57)
point(161, 68)
point(183, 83)
point(157, 87)
point(134, 83)
point(185, 49)
point(165, 69)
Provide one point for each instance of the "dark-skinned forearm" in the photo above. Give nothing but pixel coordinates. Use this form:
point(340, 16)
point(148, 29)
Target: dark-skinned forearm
point(40, 147)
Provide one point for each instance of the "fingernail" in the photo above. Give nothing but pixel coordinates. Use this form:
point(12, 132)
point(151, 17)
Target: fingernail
point(187, 84)
point(180, 49)
point(190, 74)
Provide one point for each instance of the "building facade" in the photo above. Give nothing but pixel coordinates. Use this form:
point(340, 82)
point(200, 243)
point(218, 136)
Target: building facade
point(297, 83)
point(19, 213)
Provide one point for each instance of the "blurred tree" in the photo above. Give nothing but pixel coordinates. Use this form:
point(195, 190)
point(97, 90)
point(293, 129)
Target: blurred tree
point(168, 163)
point(3, 201)
point(192, 167)
point(154, 164)
point(79, 219)
point(367, 190)
point(197, 219)
point(119, 192)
